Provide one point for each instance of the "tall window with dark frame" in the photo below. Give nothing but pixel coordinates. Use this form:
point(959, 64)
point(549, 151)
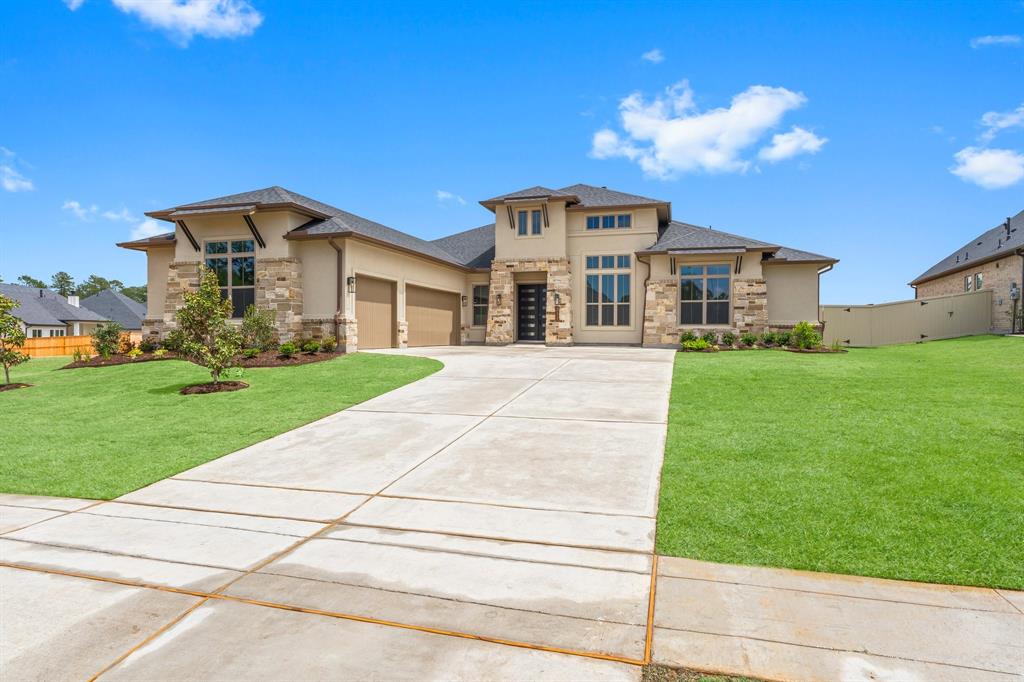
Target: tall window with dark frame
point(608, 284)
point(234, 262)
point(704, 294)
point(480, 293)
point(529, 223)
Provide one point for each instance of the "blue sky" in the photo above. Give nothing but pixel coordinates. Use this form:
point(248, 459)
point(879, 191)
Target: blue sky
point(832, 127)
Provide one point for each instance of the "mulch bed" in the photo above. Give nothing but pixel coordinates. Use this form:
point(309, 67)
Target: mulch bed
point(119, 359)
point(219, 387)
point(816, 350)
point(13, 385)
point(268, 358)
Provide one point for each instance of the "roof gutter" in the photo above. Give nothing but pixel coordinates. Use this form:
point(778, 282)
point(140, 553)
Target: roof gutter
point(349, 234)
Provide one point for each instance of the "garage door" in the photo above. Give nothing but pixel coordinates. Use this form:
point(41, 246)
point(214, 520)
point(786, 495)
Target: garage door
point(375, 313)
point(433, 317)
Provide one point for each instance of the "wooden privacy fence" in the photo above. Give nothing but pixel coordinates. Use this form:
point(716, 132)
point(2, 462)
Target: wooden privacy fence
point(925, 319)
point(51, 346)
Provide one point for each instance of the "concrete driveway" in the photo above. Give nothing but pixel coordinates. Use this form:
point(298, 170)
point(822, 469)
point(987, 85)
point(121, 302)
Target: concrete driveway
point(493, 520)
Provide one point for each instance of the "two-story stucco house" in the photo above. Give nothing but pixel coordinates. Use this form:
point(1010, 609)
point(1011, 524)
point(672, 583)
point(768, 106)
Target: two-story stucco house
point(580, 264)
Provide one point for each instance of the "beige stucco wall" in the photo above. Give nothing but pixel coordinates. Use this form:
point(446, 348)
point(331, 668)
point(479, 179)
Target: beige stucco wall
point(551, 243)
point(272, 225)
point(792, 293)
point(997, 276)
point(319, 278)
point(157, 260)
point(474, 334)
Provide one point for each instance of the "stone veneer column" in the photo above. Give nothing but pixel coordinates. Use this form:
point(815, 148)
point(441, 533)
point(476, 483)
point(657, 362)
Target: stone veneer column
point(182, 276)
point(750, 305)
point(279, 289)
point(500, 326)
point(558, 318)
point(348, 340)
point(661, 324)
point(402, 334)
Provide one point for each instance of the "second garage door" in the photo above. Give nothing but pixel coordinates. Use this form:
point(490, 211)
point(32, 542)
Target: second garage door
point(433, 317)
point(375, 313)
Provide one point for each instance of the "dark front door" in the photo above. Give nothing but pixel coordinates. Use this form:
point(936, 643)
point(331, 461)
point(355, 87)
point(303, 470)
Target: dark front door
point(532, 305)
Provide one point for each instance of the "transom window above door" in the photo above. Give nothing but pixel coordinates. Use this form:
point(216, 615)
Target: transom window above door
point(529, 223)
point(234, 262)
point(704, 294)
point(608, 222)
point(608, 289)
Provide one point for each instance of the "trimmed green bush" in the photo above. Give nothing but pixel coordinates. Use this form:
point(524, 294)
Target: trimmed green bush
point(728, 339)
point(250, 352)
point(747, 339)
point(805, 336)
point(328, 344)
point(258, 328)
point(710, 338)
point(107, 339)
point(311, 346)
point(287, 349)
point(687, 336)
point(783, 338)
point(697, 344)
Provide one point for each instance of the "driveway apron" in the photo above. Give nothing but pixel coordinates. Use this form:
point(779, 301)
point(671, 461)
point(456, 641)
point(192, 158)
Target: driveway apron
point(495, 518)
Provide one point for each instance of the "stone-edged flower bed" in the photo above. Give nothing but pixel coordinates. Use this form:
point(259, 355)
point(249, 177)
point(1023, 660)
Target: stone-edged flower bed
point(13, 385)
point(210, 387)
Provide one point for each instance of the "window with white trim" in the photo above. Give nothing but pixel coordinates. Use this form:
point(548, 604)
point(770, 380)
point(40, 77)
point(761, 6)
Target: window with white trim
point(608, 290)
point(56, 332)
point(978, 282)
point(704, 294)
point(968, 282)
point(528, 222)
point(37, 333)
point(234, 261)
point(480, 293)
point(608, 222)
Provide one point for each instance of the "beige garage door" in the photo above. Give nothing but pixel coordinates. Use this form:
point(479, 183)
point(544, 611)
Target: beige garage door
point(375, 313)
point(433, 317)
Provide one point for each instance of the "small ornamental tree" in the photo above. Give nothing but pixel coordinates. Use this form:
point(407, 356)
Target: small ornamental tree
point(12, 337)
point(207, 338)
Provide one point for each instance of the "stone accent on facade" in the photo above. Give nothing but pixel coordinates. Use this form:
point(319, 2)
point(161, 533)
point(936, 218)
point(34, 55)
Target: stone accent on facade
point(402, 334)
point(464, 334)
point(501, 301)
point(750, 305)
point(661, 328)
point(154, 328)
point(348, 341)
point(182, 276)
point(279, 289)
point(996, 275)
point(317, 328)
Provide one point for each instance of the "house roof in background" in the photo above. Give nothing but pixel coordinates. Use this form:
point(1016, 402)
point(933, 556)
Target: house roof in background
point(987, 246)
point(114, 305)
point(42, 307)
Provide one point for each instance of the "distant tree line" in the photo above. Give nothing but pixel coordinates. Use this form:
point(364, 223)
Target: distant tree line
point(64, 284)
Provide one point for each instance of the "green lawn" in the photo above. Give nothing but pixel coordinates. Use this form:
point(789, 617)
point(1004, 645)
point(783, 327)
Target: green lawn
point(901, 462)
point(102, 432)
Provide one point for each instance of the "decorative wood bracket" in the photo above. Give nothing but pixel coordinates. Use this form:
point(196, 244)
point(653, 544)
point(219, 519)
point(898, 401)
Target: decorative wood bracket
point(188, 233)
point(255, 232)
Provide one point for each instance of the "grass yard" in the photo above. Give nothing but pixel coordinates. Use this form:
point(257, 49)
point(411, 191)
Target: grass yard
point(899, 462)
point(102, 432)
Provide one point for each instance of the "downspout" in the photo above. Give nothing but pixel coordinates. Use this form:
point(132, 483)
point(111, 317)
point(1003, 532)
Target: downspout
point(1020, 297)
point(643, 308)
point(822, 271)
point(340, 288)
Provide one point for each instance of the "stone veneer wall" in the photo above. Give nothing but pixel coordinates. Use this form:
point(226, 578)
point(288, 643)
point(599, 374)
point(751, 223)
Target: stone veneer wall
point(996, 275)
point(661, 305)
point(279, 289)
point(500, 316)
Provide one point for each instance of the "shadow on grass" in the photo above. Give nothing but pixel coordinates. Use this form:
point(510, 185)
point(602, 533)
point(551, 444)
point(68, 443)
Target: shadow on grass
point(169, 389)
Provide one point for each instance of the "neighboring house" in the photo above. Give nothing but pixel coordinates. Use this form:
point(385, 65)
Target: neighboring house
point(113, 305)
point(46, 313)
point(993, 260)
point(580, 264)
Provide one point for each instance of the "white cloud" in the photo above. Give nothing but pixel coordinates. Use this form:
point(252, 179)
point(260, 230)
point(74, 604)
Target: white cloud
point(997, 121)
point(669, 135)
point(73, 4)
point(148, 228)
point(986, 41)
point(187, 18)
point(989, 168)
point(787, 145)
point(86, 213)
point(123, 215)
point(653, 56)
point(444, 197)
point(13, 181)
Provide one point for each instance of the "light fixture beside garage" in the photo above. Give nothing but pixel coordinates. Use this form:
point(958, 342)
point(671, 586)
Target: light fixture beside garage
point(351, 281)
point(465, 301)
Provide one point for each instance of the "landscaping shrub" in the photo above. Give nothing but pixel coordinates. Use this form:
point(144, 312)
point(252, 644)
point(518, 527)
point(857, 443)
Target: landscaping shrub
point(805, 336)
point(250, 352)
point(329, 344)
point(768, 338)
point(208, 338)
point(783, 338)
point(76, 355)
point(12, 337)
point(697, 344)
point(174, 340)
point(710, 338)
point(107, 339)
point(258, 328)
point(747, 339)
point(160, 352)
point(149, 344)
point(728, 339)
point(687, 336)
point(287, 350)
point(311, 346)
point(134, 353)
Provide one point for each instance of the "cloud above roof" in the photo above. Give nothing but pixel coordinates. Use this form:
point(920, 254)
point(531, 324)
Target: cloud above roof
point(185, 19)
point(669, 135)
point(989, 168)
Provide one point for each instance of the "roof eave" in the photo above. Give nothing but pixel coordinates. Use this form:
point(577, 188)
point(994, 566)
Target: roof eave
point(921, 279)
point(276, 206)
point(492, 204)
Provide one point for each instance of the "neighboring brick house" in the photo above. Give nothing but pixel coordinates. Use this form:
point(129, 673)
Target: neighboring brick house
point(994, 260)
point(580, 264)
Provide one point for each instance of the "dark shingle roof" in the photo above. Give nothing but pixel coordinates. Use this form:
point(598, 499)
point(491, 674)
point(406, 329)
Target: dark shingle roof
point(474, 248)
point(797, 256)
point(682, 237)
point(166, 238)
point(994, 243)
point(49, 309)
point(536, 192)
point(113, 305)
point(594, 197)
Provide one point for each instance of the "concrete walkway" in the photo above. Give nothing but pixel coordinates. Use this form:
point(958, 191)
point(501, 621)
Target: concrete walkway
point(494, 520)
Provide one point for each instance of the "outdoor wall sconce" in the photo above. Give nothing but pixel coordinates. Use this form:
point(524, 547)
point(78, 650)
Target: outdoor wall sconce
point(465, 300)
point(351, 281)
point(558, 299)
point(498, 299)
